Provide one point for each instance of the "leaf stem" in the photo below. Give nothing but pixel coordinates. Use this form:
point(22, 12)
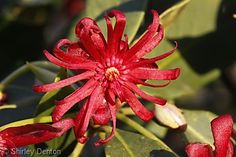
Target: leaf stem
point(78, 149)
point(126, 111)
point(138, 127)
point(21, 71)
point(7, 106)
point(121, 139)
point(44, 119)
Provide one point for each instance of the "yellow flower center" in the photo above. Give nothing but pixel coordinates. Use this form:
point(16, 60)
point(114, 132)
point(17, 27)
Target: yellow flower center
point(112, 73)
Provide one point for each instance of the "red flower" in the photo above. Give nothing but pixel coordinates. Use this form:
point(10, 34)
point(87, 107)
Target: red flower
point(222, 129)
point(13, 137)
point(110, 69)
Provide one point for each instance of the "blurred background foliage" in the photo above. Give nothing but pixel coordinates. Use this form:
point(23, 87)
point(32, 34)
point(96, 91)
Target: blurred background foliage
point(204, 29)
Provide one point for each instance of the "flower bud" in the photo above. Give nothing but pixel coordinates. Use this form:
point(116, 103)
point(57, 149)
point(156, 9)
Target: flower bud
point(169, 115)
point(3, 98)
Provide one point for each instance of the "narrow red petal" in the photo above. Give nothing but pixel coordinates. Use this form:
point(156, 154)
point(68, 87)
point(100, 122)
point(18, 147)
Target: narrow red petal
point(114, 41)
point(230, 150)
point(222, 128)
point(124, 46)
point(63, 125)
point(66, 48)
point(139, 81)
point(81, 126)
point(95, 97)
point(89, 33)
point(149, 61)
point(36, 133)
point(136, 106)
point(154, 74)
point(151, 44)
point(65, 105)
point(21, 130)
point(199, 150)
point(152, 29)
point(83, 91)
point(135, 89)
point(63, 42)
point(79, 120)
point(110, 97)
point(113, 115)
point(78, 57)
point(63, 83)
point(102, 115)
point(109, 30)
point(54, 60)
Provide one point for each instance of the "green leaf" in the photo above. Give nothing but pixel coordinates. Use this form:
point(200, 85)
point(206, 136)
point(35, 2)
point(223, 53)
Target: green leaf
point(134, 11)
point(157, 129)
point(21, 96)
point(47, 102)
point(62, 146)
point(199, 126)
point(187, 83)
point(198, 18)
point(130, 144)
point(43, 74)
point(172, 13)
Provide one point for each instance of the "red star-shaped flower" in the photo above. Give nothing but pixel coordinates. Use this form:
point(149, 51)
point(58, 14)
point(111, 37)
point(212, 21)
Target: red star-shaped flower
point(110, 69)
point(13, 137)
point(222, 129)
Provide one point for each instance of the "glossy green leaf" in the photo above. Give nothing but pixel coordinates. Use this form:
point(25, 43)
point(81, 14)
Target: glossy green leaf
point(199, 126)
point(130, 144)
point(21, 96)
point(187, 83)
point(134, 12)
point(43, 74)
point(170, 15)
point(23, 70)
point(157, 129)
point(198, 18)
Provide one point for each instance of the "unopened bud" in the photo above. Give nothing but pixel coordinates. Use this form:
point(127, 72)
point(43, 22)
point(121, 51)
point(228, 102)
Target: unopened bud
point(169, 115)
point(3, 98)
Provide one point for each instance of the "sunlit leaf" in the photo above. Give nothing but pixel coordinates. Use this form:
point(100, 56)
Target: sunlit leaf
point(130, 144)
point(198, 18)
point(199, 126)
point(171, 14)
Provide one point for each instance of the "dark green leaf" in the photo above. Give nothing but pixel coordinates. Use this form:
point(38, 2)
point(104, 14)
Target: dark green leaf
point(43, 74)
point(47, 102)
point(134, 11)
